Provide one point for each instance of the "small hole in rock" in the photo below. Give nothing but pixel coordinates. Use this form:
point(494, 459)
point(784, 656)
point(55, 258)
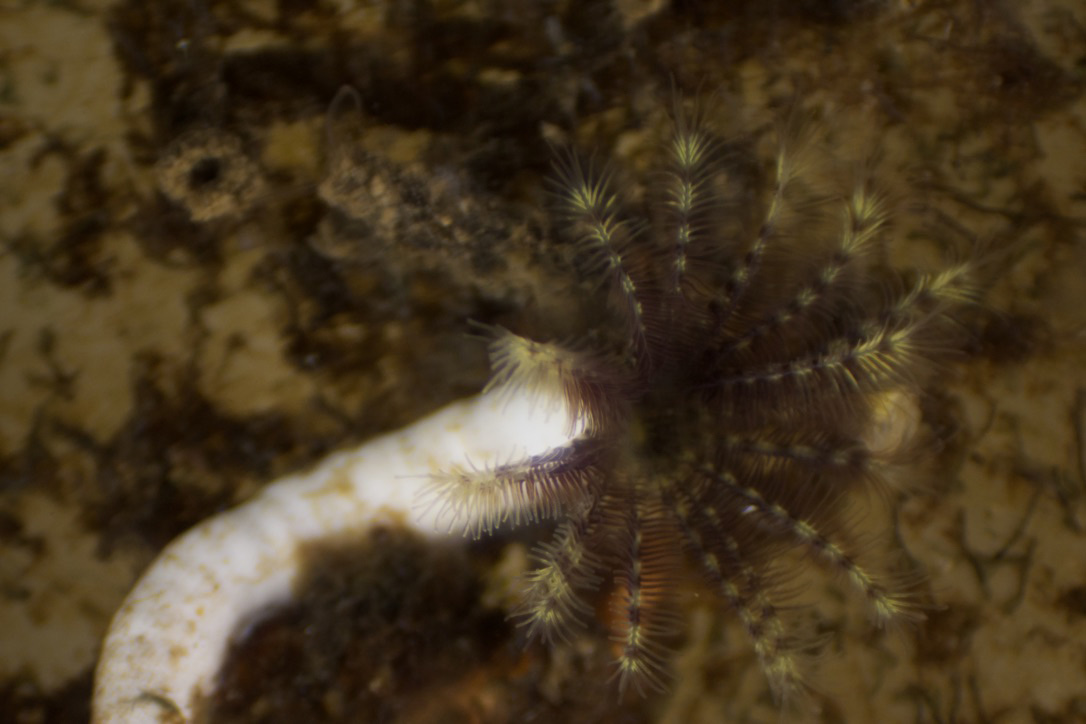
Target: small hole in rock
point(205, 172)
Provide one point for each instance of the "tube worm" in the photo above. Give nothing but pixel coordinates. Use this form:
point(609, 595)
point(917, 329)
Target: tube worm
point(165, 645)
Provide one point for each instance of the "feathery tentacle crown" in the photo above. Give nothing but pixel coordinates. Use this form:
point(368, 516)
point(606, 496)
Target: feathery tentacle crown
point(731, 426)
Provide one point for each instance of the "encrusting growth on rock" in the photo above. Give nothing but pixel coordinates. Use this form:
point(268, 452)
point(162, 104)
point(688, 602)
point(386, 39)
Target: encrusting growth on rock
point(732, 417)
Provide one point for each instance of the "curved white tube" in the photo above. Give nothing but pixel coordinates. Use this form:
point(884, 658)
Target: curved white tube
point(165, 645)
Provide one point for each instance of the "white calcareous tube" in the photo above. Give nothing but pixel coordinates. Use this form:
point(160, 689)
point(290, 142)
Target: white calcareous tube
point(165, 645)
